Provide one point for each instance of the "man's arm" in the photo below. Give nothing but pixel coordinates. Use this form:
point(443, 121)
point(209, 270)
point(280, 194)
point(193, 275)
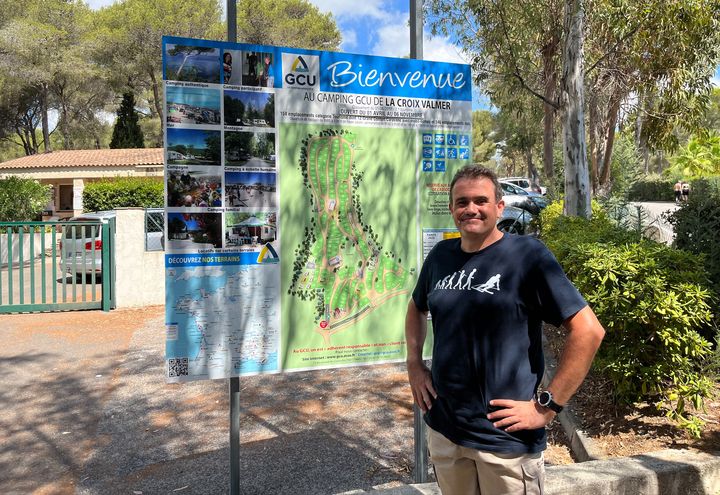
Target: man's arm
point(584, 336)
point(418, 374)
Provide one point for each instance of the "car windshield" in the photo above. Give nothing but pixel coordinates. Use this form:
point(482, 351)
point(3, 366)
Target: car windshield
point(80, 231)
point(512, 189)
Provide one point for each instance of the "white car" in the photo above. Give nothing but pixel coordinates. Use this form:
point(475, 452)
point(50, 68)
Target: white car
point(524, 183)
point(81, 244)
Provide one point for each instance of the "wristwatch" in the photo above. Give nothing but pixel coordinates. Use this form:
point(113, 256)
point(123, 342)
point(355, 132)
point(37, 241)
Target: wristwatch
point(545, 399)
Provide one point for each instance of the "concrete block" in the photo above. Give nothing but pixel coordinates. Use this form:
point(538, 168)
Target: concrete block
point(667, 472)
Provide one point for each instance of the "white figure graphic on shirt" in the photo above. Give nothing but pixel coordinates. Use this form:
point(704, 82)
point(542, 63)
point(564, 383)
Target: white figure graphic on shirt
point(493, 284)
point(458, 285)
point(468, 283)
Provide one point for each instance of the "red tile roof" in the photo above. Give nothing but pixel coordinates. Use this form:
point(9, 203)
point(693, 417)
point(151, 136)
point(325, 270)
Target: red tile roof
point(88, 158)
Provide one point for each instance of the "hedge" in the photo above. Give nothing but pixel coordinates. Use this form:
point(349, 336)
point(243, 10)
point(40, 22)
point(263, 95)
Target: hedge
point(143, 192)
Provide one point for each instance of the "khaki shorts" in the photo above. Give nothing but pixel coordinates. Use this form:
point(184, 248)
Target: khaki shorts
point(465, 471)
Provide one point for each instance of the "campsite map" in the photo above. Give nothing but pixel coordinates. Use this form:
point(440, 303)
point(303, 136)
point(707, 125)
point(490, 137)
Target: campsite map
point(340, 264)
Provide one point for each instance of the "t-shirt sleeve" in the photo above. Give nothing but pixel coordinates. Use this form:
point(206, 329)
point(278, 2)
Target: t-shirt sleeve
point(422, 288)
point(557, 297)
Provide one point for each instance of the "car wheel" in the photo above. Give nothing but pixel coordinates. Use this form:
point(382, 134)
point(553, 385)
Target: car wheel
point(511, 227)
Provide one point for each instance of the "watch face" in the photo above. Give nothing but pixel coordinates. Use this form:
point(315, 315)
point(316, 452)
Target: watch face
point(544, 398)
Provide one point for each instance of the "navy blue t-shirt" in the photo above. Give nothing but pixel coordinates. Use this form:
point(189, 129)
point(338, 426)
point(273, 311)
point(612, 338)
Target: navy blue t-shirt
point(487, 311)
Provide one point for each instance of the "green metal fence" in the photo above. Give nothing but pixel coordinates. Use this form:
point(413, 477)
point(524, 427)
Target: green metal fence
point(56, 266)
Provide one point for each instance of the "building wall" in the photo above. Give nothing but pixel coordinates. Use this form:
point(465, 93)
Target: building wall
point(140, 274)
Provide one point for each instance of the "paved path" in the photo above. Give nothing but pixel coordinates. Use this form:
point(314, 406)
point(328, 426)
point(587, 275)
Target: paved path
point(655, 218)
point(86, 410)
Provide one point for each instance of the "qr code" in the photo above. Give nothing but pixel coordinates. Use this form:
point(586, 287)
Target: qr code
point(177, 367)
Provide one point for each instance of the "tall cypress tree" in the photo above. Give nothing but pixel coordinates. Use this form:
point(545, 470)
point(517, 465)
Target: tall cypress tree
point(127, 132)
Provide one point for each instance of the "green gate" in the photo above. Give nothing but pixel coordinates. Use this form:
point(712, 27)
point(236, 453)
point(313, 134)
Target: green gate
point(57, 266)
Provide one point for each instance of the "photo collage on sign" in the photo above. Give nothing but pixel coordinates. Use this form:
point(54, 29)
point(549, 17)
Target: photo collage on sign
point(440, 147)
point(221, 168)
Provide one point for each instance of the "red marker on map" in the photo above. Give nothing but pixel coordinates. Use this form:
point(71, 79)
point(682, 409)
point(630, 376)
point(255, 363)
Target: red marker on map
point(323, 324)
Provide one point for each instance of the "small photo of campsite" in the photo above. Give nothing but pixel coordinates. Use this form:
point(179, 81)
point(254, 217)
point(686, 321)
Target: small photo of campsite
point(193, 147)
point(193, 64)
point(250, 149)
point(192, 105)
point(249, 108)
point(193, 231)
point(250, 190)
point(243, 228)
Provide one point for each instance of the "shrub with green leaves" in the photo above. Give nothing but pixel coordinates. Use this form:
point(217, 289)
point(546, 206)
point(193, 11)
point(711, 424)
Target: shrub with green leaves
point(22, 199)
point(652, 190)
point(697, 227)
point(655, 305)
point(125, 192)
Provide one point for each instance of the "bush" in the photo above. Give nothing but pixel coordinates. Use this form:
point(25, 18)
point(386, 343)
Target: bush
point(22, 200)
point(697, 227)
point(123, 192)
point(655, 305)
point(652, 190)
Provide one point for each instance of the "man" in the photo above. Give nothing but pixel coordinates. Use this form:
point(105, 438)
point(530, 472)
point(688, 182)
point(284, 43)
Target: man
point(678, 190)
point(488, 294)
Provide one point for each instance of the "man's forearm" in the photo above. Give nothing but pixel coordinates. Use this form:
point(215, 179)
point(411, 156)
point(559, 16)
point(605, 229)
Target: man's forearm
point(585, 335)
point(415, 333)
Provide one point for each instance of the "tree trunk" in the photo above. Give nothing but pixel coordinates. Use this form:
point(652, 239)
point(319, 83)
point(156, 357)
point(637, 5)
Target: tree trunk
point(156, 97)
point(44, 113)
point(550, 79)
point(593, 125)
point(609, 141)
point(532, 170)
point(577, 183)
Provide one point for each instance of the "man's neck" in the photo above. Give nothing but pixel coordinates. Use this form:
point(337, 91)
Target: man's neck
point(472, 244)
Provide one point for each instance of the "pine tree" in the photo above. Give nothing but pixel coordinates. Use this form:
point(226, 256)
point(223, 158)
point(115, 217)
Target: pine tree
point(127, 132)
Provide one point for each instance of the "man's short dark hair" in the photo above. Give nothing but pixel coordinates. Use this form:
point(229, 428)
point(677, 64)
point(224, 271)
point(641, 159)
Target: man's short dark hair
point(477, 172)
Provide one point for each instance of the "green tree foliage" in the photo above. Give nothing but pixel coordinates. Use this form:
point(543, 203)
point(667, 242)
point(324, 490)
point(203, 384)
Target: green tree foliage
point(650, 59)
point(293, 23)
point(700, 158)
point(128, 38)
point(44, 57)
point(127, 132)
point(138, 192)
point(21, 199)
point(653, 301)
point(484, 137)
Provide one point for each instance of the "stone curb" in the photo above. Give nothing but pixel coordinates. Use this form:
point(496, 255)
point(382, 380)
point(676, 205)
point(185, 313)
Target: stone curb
point(667, 472)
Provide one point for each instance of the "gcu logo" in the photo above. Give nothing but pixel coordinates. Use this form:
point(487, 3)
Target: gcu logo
point(303, 70)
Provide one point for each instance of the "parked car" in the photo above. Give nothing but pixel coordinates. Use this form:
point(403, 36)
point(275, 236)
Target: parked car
point(537, 198)
point(524, 183)
point(81, 245)
point(515, 220)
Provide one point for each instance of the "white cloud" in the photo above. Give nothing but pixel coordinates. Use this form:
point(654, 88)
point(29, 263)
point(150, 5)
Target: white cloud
point(370, 8)
point(442, 50)
point(393, 39)
point(349, 40)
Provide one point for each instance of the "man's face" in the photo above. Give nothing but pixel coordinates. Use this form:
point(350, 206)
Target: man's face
point(474, 208)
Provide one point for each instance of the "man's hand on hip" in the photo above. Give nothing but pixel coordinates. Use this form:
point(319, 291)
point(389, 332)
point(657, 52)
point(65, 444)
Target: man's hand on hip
point(519, 415)
point(421, 385)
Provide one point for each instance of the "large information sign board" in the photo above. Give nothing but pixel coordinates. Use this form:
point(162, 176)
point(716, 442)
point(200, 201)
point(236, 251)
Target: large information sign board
point(297, 186)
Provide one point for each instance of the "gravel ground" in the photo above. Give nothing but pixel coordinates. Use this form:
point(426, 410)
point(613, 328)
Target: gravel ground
point(87, 411)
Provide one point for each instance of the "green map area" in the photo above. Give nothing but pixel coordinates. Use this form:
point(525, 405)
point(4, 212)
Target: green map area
point(351, 240)
point(340, 264)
